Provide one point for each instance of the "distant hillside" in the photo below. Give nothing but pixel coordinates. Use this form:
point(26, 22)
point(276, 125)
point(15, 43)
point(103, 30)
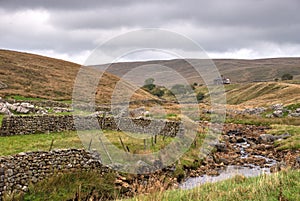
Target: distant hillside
point(37, 76)
point(237, 70)
point(262, 94)
point(31, 75)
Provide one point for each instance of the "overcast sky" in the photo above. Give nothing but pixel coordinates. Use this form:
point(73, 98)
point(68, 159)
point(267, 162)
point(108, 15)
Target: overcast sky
point(71, 29)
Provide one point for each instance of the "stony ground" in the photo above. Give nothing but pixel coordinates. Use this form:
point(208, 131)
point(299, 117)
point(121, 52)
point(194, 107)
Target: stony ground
point(241, 145)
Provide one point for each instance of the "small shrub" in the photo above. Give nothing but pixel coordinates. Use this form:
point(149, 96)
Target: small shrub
point(286, 76)
point(157, 92)
point(200, 96)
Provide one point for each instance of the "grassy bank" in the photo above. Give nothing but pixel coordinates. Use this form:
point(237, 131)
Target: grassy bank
point(293, 142)
point(70, 185)
point(278, 186)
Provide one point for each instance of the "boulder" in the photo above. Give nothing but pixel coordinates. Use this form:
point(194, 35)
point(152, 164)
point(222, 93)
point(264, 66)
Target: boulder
point(221, 147)
point(278, 113)
point(297, 110)
point(27, 105)
point(22, 110)
point(283, 136)
point(295, 114)
point(4, 109)
point(278, 106)
point(240, 140)
point(266, 138)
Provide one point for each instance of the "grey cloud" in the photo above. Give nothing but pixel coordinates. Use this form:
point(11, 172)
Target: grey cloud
point(61, 5)
point(217, 25)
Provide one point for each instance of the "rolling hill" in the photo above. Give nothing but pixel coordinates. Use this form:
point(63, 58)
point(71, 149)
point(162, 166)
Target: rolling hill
point(263, 94)
point(239, 71)
point(31, 75)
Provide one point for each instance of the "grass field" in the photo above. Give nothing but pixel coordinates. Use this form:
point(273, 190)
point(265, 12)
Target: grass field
point(11, 145)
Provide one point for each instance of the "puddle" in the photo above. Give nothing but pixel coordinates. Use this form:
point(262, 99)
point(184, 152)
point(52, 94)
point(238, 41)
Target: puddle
point(229, 172)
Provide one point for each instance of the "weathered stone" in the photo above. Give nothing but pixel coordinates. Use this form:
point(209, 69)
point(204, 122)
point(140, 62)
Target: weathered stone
point(278, 106)
point(266, 138)
point(22, 110)
point(10, 172)
point(27, 105)
point(283, 136)
point(278, 113)
point(254, 111)
point(221, 147)
point(240, 140)
point(17, 125)
point(295, 114)
point(269, 115)
point(298, 159)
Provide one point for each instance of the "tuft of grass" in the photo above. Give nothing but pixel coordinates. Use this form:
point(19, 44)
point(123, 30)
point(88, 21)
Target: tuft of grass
point(284, 185)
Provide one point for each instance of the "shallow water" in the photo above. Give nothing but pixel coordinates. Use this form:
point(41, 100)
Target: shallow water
point(229, 172)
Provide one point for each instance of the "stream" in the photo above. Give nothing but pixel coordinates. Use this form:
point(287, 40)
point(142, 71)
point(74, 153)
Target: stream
point(248, 170)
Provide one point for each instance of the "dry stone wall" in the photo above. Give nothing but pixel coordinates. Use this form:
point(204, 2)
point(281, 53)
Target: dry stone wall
point(20, 125)
point(17, 172)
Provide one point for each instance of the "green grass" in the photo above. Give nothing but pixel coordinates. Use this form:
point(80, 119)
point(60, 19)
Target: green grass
point(284, 185)
point(22, 98)
point(69, 139)
point(257, 120)
point(136, 144)
point(1, 118)
point(292, 142)
point(65, 186)
point(23, 143)
point(11, 145)
point(292, 106)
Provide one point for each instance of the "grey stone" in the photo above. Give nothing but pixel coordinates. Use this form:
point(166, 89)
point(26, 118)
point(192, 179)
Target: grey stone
point(22, 110)
point(10, 172)
point(297, 110)
point(278, 106)
point(266, 138)
point(283, 136)
point(295, 114)
point(27, 105)
point(25, 188)
point(298, 159)
point(221, 147)
point(254, 111)
point(278, 113)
